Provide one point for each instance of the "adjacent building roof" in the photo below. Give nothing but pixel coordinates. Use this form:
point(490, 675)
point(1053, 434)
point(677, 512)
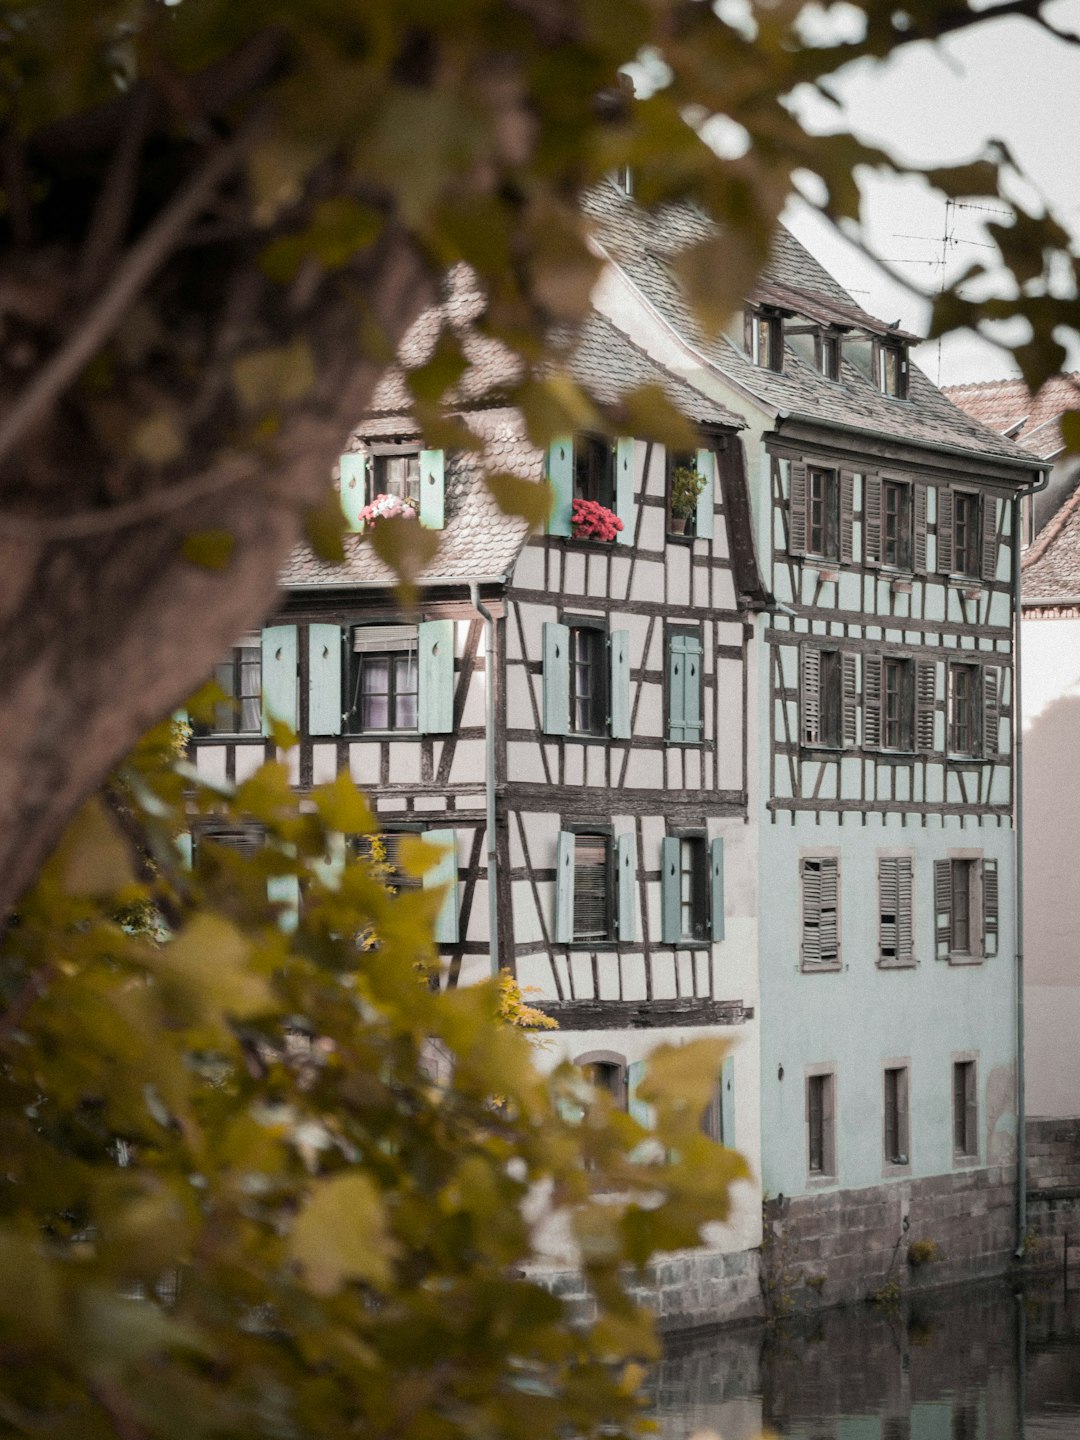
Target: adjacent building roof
point(1008, 406)
point(643, 245)
point(1050, 571)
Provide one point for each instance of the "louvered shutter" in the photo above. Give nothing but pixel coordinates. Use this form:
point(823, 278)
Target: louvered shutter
point(619, 645)
point(556, 643)
point(279, 676)
point(324, 679)
point(888, 908)
point(829, 917)
point(626, 887)
point(727, 1103)
point(703, 517)
point(849, 733)
point(872, 519)
point(925, 703)
point(444, 872)
point(639, 1110)
point(797, 509)
point(811, 912)
point(670, 897)
point(991, 711)
point(989, 538)
point(592, 898)
point(905, 928)
point(847, 517)
point(990, 907)
point(716, 888)
point(942, 908)
point(919, 500)
point(564, 888)
point(432, 489)
point(944, 531)
point(624, 489)
point(872, 667)
point(435, 702)
point(353, 473)
point(810, 697)
point(560, 474)
point(284, 891)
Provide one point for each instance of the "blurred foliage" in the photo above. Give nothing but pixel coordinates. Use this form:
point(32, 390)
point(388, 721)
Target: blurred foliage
point(256, 1180)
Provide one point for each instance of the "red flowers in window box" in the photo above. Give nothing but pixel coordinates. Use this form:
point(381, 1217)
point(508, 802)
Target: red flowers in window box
point(593, 521)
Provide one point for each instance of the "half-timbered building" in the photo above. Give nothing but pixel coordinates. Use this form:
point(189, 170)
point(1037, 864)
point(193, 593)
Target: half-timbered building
point(884, 520)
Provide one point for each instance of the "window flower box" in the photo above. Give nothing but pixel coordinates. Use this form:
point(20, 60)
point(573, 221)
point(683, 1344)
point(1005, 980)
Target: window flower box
point(388, 507)
point(593, 521)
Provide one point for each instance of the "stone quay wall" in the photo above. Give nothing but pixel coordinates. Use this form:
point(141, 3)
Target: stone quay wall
point(1053, 1195)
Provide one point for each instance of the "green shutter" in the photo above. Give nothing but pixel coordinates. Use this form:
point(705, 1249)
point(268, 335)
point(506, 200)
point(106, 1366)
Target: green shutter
point(676, 691)
point(445, 873)
point(284, 890)
point(727, 1102)
point(670, 898)
point(435, 707)
point(556, 642)
point(279, 675)
point(692, 688)
point(624, 489)
point(639, 1110)
point(432, 489)
point(626, 886)
point(703, 518)
point(331, 866)
point(183, 845)
point(620, 684)
point(324, 680)
point(564, 888)
point(353, 470)
point(560, 474)
point(716, 887)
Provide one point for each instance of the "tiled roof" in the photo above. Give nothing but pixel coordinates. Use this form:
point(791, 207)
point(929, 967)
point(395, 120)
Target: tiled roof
point(1051, 568)
point(643, 244)
point(1008, 406)
point(478, 539)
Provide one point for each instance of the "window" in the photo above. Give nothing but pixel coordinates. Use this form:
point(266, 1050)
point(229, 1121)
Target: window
point(892, 369)
point(896, 944)
point(383, 852)
point(966, 533)
point(828, 697)
point(684, 677)
point(820, 912)
point(239, 678)
point(691, 889)
point(897, 704)
point(966, 908)
point(821, 511)
point(594, 469)
point(596, 884)
point(405, 471)
point(718, 1118)
point(592, 889)
point(821, 1125)
point(964, 710)
point(607, 1072)
point(687, 481)
point(965, 1108)
point(384, 686)
point(896, 524)
point(823, 514)
point(397, 475)
point(828, 356)
point(897, 1144)
point(765, 340)
point(586, 679)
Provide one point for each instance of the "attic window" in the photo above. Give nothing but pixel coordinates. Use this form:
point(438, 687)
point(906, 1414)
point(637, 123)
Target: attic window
point(828, 355)
point(891, 364)
point(765, 339)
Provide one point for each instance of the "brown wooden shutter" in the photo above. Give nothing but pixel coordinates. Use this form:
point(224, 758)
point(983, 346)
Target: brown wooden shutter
point(810, 698)
point(919, 502)
point(944, 531)
point(829, 917)
point(990, 907)
point(991, 711)
point(811, 912)
point(872, 519)
point(942, 908)
point(905, 929)
point(847, 517)
point(925, 703)
point(849, 701)
point(989, 538)
point(871, 729)
point(797, 509)
point(888, 905)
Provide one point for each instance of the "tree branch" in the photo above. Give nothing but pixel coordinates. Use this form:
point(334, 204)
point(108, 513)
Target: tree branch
point(112, 213)
point(142, 260)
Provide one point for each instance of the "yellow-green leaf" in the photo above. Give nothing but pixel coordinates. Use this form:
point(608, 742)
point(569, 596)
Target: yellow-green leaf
point(342, 1234)
point(209, 549)
point(94, 859)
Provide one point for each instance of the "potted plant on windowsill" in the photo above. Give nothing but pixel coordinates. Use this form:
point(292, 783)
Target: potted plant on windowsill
point(592, 521)
point(687, 483)
point(388, 507)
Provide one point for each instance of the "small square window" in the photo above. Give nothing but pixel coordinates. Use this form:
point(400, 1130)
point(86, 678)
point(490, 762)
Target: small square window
point(828, 356)
point(397, 474)
point(892, 368)
point(384, 679)
point(765, 340)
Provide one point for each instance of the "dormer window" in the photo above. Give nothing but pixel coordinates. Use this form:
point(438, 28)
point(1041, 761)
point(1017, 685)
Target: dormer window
point(828, 355)
point(765, 339)
point(891, 364)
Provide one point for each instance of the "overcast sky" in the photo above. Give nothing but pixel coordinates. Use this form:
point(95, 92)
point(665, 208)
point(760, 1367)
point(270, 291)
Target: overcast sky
point(939, 105)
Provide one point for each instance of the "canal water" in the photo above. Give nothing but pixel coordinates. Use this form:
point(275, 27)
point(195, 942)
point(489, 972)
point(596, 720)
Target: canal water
point(981, 1364)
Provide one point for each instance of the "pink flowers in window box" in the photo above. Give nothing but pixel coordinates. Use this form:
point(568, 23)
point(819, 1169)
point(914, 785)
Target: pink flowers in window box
point(593, 521)
point(388, 507)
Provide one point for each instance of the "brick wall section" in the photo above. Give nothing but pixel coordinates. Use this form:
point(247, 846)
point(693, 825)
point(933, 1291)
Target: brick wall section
point(842, 1246)
point(1053, 1155)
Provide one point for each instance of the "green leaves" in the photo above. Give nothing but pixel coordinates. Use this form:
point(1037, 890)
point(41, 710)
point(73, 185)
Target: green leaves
point(342, 1234)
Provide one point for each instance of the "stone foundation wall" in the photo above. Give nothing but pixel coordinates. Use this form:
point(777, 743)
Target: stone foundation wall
point(1053, 1196)
point(838, 1247)
point(1053, 1155)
